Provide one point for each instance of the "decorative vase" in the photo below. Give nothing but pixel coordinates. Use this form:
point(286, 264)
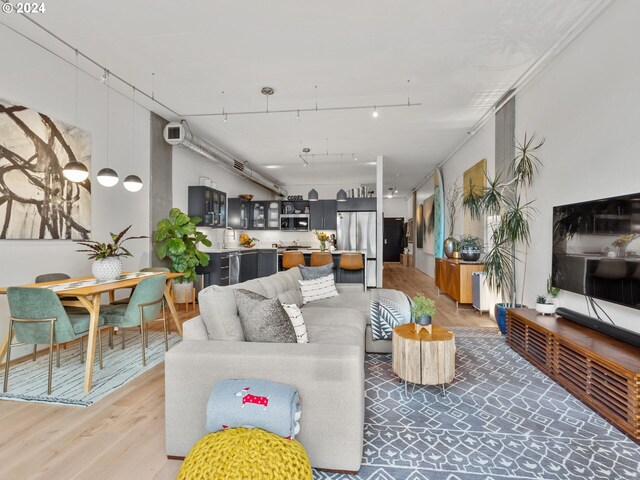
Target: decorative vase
point(501, 315)
point(182, 292)
point(449, 246)
point(108, 268)
point(470, 254)
point(323, 245)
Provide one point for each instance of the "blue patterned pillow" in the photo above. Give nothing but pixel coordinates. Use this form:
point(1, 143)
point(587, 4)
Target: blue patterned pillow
point(311, 273)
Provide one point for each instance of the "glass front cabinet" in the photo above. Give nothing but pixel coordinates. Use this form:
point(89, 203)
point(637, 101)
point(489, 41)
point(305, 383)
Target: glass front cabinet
point(208, 204)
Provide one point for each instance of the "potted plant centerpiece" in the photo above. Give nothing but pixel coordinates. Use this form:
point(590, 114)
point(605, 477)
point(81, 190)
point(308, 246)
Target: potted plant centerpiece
point(423, 310)
point(544, 306)
point(177, 239)
point(323, 238)
point(106, 256)
point(469, 246)
point(502, 200)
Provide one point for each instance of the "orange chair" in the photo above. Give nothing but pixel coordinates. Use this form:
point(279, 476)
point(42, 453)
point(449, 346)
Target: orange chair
point(319, 259)
point(351, 261)
point(292, 259)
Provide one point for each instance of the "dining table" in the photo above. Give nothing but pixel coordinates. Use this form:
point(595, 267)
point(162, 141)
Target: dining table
point(87, 292)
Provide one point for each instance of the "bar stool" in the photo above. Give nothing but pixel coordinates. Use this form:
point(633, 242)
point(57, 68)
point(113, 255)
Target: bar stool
point(319, 259)
point(351, 261)
point(611, 274)
point(292, 259)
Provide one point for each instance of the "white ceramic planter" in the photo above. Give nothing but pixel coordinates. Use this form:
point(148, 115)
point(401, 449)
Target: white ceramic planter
point(546, 308)
point(180, 292)
point(107, 268)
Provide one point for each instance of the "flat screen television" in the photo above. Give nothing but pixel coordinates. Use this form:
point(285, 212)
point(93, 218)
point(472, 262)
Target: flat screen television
point(596, 249)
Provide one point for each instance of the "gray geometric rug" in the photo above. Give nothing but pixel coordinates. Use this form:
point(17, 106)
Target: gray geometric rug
point(28, 380)
point(502, 418)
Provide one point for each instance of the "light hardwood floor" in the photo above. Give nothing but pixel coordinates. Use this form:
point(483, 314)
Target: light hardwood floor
point(122, 436)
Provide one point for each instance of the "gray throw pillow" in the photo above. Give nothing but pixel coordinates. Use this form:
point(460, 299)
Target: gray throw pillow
point(311, 273)
point(263, 319)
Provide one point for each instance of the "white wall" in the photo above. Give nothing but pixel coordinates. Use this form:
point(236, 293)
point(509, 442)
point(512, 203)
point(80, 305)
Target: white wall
point(45, 83)
point(394, 207)
point(587, 105)
point(481, 145)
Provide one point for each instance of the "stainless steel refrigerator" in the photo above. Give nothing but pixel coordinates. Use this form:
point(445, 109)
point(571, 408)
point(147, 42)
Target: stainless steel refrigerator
point(357, 231)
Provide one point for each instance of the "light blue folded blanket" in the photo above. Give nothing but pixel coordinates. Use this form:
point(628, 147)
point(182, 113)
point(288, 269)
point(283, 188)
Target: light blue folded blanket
point(253, 403)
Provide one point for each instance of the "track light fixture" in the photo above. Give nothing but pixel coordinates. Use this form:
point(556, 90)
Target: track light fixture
point(374, 114)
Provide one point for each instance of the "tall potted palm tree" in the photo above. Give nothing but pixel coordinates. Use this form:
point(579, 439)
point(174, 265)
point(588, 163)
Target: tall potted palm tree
point(503, 201)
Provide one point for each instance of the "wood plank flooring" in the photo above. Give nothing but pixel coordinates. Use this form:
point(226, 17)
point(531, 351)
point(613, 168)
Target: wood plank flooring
point(122, 436)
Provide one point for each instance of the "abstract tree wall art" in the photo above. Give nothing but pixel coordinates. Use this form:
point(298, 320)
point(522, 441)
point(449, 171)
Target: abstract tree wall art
point(36, 201)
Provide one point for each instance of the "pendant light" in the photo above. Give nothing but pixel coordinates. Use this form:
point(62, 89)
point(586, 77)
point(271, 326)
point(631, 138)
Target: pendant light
point(133, 183)
point(313, 195)
point(107, 177)
point(75, 171)
point(341, 196)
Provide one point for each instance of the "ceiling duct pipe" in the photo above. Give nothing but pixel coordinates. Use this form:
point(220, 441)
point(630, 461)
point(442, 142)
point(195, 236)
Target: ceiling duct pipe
point(179, 134)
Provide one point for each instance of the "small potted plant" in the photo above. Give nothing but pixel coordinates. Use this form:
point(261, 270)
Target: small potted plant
point(177, 239)
point(543, 306)
point(106, 256)
point(552, 291)
point(469, 247)
point(423, 310)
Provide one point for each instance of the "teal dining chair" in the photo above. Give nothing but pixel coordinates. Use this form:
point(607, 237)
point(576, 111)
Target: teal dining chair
point(145, 305)
point(146, 269)
point(37, 317)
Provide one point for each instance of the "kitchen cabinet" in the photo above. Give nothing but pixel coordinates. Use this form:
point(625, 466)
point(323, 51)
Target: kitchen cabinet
point(238, 213)
point(357, 205)
point(258, 217)
point(218, 272)
point(248, 265)
point(322, 215)
point(267, 262)
point(208, 204)
point(273, 215)
point(453, 277)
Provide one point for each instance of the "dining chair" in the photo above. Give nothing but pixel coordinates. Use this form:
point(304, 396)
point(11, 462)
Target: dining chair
point(146, 269)
point(145, 305)
point(37, 317)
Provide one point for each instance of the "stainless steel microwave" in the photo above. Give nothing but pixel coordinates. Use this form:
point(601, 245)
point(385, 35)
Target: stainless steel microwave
point(295, 222)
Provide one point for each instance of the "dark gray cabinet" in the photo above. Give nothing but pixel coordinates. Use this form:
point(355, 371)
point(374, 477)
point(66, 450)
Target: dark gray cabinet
point(248, 265)
point(238, 213)
point(357, 205)
point(217, 272)
point(267, 263)
point(322, 215)
point(208, 204)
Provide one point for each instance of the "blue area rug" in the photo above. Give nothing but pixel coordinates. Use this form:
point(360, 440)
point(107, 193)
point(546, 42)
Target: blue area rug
point(28, 380)
point(502, 418)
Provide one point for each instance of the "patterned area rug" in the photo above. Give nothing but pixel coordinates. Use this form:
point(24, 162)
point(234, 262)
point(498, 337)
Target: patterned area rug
point(502, 418)
point(28, 380)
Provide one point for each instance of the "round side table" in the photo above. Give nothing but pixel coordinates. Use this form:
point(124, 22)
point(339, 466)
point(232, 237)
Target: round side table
point(424, 358)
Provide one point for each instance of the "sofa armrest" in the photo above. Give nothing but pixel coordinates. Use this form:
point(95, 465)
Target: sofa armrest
point(194, 329)
point(329, 379)
point(350, 287)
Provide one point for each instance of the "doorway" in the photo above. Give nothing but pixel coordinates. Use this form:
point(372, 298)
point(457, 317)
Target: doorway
point(392, 239)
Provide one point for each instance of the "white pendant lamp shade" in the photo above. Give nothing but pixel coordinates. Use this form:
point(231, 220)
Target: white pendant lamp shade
point(313, 195)
point(107, 177)
point(75, 172)
point(133, 183)
point(341, 196)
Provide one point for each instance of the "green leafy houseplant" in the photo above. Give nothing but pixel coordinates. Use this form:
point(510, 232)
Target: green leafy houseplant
point(552, 291)
point(423, 309)
point(177, 239)
point(100, 251)
point(469, 241)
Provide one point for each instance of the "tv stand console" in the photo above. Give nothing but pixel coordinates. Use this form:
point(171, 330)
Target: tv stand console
point(601, 371)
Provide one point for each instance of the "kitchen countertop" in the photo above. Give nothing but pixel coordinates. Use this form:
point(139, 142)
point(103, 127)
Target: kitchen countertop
point(312, 250)
point(234, 249)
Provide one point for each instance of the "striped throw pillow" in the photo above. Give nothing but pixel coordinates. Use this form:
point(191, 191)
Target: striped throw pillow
point(295, 315)
point(318, 289)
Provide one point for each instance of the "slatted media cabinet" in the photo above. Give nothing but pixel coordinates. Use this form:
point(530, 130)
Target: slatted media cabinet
point(601, 371)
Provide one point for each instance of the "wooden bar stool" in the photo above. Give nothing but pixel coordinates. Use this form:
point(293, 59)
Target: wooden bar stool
point(292, 259)
point(351, 261)
point(319, 259)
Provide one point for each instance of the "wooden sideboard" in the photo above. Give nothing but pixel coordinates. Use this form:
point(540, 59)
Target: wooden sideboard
point(601, 371)
point(453, 277)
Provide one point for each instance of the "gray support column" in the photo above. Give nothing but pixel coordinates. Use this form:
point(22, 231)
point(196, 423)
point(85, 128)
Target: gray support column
point(161, 180)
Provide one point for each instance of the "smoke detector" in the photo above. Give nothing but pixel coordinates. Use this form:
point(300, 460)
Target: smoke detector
point(267, 91)
point(306, 150)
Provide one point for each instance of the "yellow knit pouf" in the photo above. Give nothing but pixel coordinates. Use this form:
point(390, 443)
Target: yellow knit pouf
point(246, 454)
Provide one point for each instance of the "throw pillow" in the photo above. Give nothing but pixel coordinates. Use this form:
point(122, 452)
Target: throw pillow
point(311, 273)
point(318, 289)
point(295, 315)
point(263, 319)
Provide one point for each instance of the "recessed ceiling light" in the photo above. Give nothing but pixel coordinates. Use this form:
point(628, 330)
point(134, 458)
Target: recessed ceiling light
point(306, 150)
point(273, 166)
point(267, 91)
point(370, 163)
point(375, 112)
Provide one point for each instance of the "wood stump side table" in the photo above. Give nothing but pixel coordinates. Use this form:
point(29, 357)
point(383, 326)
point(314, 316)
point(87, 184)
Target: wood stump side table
point(424, 358)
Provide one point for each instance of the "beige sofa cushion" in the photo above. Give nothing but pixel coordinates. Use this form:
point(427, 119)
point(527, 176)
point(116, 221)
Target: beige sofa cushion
point(283, 285)
point(220, 313)
point(354, 301)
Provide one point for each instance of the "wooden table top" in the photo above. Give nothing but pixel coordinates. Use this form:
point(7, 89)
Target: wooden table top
point(438, 334)
point(94, 289)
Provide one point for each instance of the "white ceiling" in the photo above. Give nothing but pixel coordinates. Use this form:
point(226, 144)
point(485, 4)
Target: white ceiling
point(460, 55)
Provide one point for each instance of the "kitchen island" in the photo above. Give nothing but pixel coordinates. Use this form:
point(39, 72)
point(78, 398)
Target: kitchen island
point(342, 276)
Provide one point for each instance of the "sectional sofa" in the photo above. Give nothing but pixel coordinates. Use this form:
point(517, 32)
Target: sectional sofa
point(328, 371)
